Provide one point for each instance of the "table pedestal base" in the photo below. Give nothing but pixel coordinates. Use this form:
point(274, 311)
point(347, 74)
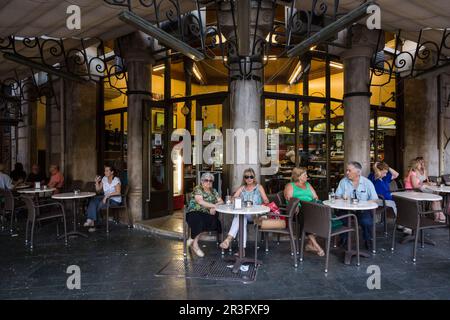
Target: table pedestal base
point(240, 261)
point(412, 237)
point(74, 234)
point(349, 254)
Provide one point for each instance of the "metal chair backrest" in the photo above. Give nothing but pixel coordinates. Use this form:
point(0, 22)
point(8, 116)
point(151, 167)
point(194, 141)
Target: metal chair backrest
point(29, 204)
point(446, 178)
point(8, 198)
point(281, 200)
point(292, 208)
point(407, 212)
point(89, 186)
point(316, 218)
point(432, 178)
point(393, 186)
point(75, 184)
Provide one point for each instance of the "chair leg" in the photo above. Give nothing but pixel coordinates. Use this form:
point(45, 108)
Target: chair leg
point(422, 239)
point(293, 246)
point(12, 221)
point(393, 235)
point(267, 241)
point(327, 254)
point(385, 223)
point(184, 239)
point(374, 234)
point(57, 228)
point(130, 218)
point(297, 236)
point(26, 232)
point(65, 229)
point(107, 220)
point(357, 242)
point(416, 238)
point(32, 234)
point(256, 245)
point(302, 245)
point(278, 239)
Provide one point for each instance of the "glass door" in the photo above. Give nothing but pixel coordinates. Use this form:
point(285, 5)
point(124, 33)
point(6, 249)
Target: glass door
point(158, 199)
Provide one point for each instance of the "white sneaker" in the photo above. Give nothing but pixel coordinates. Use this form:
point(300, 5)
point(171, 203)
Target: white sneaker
point(89, 223)
point(407, 231)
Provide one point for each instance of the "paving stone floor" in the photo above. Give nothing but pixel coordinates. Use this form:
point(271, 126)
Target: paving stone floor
point(123, 266)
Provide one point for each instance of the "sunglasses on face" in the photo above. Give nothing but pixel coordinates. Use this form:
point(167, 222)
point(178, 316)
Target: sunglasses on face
point(206, 180)
point(249, 177)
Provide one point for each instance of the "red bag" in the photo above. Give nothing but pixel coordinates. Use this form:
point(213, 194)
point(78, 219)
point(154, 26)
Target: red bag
point(274, 209)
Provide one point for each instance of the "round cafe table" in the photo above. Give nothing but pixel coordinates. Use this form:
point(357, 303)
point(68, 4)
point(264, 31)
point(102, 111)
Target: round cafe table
point(72, 196)
point(253, 210)
point(445, 192)
point(341, 204)
point(34, 191)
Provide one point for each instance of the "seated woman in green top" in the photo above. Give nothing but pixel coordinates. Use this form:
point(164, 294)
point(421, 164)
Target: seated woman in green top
point(201, 213)
point(301, 189)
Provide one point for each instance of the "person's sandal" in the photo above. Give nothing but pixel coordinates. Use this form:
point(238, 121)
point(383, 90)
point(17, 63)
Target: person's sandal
point(309, 247)
point(198, 251)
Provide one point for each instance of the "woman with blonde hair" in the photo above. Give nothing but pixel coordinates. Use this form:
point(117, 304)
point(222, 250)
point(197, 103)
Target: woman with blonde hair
point(416, 178)
point(301, 189)
point(249, 190)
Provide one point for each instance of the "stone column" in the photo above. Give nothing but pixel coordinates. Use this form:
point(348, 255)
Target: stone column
point(26, 131)
point(246, 91)
point(139, 66)
point(357, 95)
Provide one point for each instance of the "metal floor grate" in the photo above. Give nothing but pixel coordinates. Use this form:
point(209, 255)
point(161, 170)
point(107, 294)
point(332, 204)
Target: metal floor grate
point(207, 268)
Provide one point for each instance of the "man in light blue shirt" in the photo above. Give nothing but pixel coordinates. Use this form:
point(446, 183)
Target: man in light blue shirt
point(354, 184)
point(5, 180)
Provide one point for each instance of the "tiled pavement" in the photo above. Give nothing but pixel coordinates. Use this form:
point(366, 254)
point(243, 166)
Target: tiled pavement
point(123, 266)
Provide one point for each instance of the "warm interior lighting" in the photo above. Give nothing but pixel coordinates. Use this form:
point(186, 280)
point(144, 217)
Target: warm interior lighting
point(336, 65)
point(159, 68)
point(296, 72)
point(270, 58)
point(197, 74)
point(222, 37)
point(313, 48)
point(273, 38)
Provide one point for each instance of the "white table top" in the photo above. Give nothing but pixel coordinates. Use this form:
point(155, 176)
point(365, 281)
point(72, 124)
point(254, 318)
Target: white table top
point(22, 186)
point(419, 196)
point(256, 209)
point(33, 190)
point(71, 195)
point(438, 189)
point(346, 205)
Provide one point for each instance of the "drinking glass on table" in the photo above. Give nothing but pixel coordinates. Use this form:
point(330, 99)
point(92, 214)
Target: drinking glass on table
point(439, 182)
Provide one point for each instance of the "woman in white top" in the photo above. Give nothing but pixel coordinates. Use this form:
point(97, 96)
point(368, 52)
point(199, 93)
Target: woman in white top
point(110, 185)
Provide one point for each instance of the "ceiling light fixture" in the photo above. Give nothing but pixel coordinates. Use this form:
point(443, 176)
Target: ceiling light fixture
point(336, 65)
point(198, 74)
point(296, 73)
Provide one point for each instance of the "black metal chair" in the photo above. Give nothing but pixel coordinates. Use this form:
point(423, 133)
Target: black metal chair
point(317, 219)
point(290, 212)
point(383, 210)
point(36, 214)
point(9, 207)
point(187, 230)
point(410, 215)
point(446, 179)
point(123, 205)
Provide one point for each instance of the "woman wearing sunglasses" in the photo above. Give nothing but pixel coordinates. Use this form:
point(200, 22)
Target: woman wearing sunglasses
point(201, 214)
point(249, 190)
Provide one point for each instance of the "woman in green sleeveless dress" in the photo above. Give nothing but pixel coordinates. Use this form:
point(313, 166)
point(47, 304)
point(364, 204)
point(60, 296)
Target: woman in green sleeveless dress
point(300, 188)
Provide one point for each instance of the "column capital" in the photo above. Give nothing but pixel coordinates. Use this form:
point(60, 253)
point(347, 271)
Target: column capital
point(363, 41)
point(136, 47)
